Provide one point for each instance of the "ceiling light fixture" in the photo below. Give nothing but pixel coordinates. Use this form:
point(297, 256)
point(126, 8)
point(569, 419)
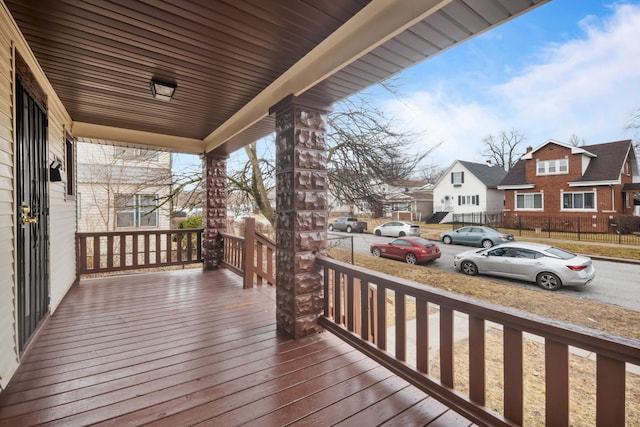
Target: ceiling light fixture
point(162, 90)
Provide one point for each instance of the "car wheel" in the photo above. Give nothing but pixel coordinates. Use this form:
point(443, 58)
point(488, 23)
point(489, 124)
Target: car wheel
point(486, 243)
point(330, 227)
point(378, 233)
point(469, 268)
point(411, 258)
point(349, 229)
point(401, 234)
point(375, 252)
point(549, 281)
point(447, 240)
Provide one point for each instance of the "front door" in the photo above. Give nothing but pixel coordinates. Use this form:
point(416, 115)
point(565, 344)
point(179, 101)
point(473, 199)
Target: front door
point(32, 216)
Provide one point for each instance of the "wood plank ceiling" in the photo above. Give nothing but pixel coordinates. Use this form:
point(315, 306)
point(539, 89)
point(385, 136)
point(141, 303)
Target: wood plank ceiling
point(100, 55)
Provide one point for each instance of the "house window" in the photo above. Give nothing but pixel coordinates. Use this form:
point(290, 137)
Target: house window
point(69, 167)
point(469, 200)
point(584, 200)
point(138, 210)
point(529, 201)
point(457, 178)
point(553, 167)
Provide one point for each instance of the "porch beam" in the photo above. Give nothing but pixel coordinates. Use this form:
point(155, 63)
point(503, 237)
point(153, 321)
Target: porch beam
point(375, 24)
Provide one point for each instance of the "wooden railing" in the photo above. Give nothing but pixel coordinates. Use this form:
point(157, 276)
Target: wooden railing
point(371, 311)
point(103, 252)
point(259, 266)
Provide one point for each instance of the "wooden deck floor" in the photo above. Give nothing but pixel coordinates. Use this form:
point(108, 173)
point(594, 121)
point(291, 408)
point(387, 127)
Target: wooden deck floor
point(191, 348)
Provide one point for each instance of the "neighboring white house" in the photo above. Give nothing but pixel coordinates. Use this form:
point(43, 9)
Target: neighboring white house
point(122, 188)
point(468, 188)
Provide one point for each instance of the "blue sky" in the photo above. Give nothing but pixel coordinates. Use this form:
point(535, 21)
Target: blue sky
point(568, 67)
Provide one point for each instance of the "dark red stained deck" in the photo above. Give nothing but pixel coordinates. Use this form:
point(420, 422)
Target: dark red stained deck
point(184, 348)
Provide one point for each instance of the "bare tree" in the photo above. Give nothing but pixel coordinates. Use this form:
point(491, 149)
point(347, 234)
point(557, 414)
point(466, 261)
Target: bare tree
point(110, 176)
point(576, 141)
point(504, 149)
point(364, 151)
point(634, 126)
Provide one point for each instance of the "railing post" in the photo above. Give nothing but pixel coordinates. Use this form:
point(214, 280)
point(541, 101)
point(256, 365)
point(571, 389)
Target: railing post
point(248, 252)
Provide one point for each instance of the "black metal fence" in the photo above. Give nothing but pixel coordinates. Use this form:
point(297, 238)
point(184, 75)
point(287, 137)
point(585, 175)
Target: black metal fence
point(621, 230)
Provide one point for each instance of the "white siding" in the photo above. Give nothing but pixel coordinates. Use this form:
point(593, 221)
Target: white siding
point(446, 194)
point(62, 223)
point(8, 343)
point(117, 176)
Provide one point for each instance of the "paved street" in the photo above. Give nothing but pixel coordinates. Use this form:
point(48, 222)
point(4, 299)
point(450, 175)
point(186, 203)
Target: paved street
point(615, 283)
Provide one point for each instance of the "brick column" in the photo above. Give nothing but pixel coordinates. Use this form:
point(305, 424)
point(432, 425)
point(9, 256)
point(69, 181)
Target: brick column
point(301, 215)
point(214, 210)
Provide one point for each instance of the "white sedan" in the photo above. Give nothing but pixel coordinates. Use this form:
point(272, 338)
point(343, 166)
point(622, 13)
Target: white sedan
point(546, 265)
point(397, 229)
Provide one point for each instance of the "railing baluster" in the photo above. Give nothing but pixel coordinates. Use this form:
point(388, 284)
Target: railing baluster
point(610, 406)
point(147, 260)
point(556, 366)
point(477, 376)
point(110, 251)
point(123, 251)
point(513, 381)
point(400, 326)
point(381, 314)
point(349, 303)
point(446, 346)
point(422, 335)
point(364, 310)
point(337, 298)
point(96, 252)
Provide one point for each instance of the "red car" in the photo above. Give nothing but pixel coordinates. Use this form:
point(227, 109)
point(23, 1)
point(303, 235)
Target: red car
point(412, 249)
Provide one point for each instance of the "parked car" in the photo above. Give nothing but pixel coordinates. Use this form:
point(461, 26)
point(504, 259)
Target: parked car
point(546, 265)
point(476, 236)
point(348, 224)
point(397, 229)
point(412, 249)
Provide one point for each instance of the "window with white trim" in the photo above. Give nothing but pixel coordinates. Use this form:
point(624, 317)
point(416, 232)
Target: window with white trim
point(552, 167)
point(579, 200)
point(457, 178)
point(137, 210)
point(529, 201)
point(469, 200)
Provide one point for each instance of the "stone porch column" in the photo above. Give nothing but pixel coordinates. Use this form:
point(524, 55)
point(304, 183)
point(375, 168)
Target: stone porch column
point(301, 214)
point(214, 209)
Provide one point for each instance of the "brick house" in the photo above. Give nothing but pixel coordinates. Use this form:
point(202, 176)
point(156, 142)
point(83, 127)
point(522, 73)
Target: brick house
point(593, 181)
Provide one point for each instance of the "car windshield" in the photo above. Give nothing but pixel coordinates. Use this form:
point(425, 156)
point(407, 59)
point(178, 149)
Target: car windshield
point(560, 253)
point(423, 242)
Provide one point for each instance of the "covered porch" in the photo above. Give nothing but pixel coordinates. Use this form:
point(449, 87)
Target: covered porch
point(186, 347)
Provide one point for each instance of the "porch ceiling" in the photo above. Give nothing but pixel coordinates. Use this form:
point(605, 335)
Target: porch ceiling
point(231, 60)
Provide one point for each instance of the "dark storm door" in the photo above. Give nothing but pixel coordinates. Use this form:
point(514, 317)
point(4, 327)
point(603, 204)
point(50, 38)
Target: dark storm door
point(32, 216)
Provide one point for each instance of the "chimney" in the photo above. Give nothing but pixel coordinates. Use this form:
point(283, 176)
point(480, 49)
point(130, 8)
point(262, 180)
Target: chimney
point(529, 149)
point(489, 163)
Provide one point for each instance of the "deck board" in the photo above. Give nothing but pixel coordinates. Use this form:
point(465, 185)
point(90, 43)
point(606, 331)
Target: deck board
point(194, 348)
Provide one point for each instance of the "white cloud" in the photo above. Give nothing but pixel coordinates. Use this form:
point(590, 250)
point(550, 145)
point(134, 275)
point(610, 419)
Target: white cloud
point(588, 87)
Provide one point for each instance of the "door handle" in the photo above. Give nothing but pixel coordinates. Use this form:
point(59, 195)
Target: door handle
point(25, 210)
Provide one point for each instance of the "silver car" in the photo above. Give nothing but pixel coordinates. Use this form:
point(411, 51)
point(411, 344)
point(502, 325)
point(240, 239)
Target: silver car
point(546, 265)
point(397, 229)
